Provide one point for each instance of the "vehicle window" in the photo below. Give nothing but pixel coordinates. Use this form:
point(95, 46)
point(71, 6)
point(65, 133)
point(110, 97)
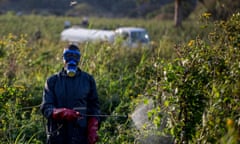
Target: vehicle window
point(139, 37)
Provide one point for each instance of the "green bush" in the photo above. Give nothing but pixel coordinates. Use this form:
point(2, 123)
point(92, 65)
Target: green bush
point(200, 89)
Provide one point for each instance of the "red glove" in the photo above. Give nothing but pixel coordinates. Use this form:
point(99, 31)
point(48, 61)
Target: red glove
point(92, 130)
point(65, 114)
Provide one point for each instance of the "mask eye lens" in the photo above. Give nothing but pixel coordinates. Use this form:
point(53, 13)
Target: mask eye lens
point(71, 56)
point(75, 56)
point(68, 55)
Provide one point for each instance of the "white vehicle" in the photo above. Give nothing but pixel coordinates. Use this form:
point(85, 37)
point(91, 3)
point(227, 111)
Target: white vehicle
point(132, 36)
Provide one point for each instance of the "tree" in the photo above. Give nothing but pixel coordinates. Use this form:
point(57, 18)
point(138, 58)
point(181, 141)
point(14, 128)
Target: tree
point(221, 10)
point(178, 13)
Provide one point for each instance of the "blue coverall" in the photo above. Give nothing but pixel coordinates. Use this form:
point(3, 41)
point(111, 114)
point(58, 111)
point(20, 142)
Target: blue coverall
point(78, 93)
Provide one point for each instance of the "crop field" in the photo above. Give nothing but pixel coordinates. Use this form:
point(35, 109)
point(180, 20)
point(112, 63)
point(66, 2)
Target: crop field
point(189, 75)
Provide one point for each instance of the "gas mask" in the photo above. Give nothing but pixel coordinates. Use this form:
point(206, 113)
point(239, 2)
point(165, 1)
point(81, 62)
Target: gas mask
point(71, 59)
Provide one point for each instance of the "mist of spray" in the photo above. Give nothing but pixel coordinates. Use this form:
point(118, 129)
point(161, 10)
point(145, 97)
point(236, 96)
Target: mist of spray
point(148, 134)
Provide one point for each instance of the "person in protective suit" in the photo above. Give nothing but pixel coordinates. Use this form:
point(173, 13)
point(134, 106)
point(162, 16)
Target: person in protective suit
point(70, 103)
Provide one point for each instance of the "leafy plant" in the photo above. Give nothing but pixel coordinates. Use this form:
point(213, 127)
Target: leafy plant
point(200, 88)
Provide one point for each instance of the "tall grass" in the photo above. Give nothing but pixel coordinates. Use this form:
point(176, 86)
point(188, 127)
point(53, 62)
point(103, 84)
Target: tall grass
point(122, 74)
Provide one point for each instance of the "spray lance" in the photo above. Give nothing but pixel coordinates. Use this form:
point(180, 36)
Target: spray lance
point(105, 115)
point(79, 109)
